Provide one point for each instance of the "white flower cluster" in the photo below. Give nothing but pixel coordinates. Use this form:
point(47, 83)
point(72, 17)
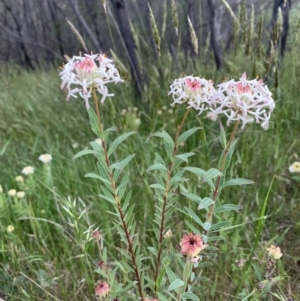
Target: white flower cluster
point(194, 91)
point(82, 74)
point(247, 101)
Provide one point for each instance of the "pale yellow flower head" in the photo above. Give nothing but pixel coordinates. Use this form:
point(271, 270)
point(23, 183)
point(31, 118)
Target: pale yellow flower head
point(28, 170)
point(1, 190)
point(10, 228)
point(20, 194)
point(274, 252)
point(295, 167)
point(45, 158)
point(12, 192)
point(19, 179)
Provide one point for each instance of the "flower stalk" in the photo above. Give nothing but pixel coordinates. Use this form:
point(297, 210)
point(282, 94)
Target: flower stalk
point(216, 190)
point(165, 198)
point(118, 203)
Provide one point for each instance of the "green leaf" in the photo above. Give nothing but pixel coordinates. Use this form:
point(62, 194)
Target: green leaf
point(157, 186)
point(186, 134)
point(198, 171)
point(210, 174)
point(194, 216)
point(175, 284)
point(95, 176)
point(156, 166)
point(218, 226)
point(205, 203)
point(112, 129)
point(94, 121)
point(189, 296)
point(221, 165)
point(223, 139)
point(162, 297)
point(165, 136)
point(117, 141)
point(193, 228)
point(152, 250)
point(206, 226)
point(84, 152)
point(192, 197)
point(227, 207)
point(237, 181)
point(121, 165)
point(184, 157)
point(96, 147)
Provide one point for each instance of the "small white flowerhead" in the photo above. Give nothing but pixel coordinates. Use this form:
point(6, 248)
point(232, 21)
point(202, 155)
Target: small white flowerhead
point(98, 141)
point(45, 158)
point(10, 228)
point(159, 112)
point(295, 167)
point(28, 170)
point(194, 91)
point(274, 252)
point(245, 100)
point(20, 194)
point(12, 192)
point(19, 179)
point(82, 74)
point(1, 190)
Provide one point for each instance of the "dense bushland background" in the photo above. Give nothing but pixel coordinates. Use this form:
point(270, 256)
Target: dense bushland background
point(47, 256)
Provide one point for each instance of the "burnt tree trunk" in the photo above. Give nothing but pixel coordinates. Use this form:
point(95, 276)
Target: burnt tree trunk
point(214, 35)
point(124, 27)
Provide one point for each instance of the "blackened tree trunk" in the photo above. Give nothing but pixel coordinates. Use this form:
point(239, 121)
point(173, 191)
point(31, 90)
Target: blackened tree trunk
point(214, 34)
point(124, 27)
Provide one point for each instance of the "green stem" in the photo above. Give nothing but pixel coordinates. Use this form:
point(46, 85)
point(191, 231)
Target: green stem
point(165, 198)
point(216, 190)
point(118, 202)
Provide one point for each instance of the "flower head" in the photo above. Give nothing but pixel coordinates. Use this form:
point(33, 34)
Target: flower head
point(96, 235)
point(19, 179)
point(28, 170)
point(45, 158)
point(194, 91)
point(274, 252)
point(1, 189)
point(20, 194)
point(12, 192)
point(10, 228)
point(245, 100)
point(101, 289)
point(191, 245)
point(82, 74)
point(295, 167)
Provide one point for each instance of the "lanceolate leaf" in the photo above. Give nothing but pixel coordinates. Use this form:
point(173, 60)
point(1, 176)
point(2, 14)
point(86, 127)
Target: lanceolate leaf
point(122, 164)
point(227, 207)
point(210, 174)
point(94, 121)
point(186, 134)
point(117, 141)
point(198, 171)
point(189, 296)
point(84, 152)
point(228, 156)
point(192, 197)
point(95, 176)
point(237, 182)
point(205, 203)
point(165, 136)
point(157, 166)
point(175, 284)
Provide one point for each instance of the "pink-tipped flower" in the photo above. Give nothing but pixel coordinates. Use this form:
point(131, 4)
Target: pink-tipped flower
point(82, 74)
point(194, 91)
point(191, 245)
point(101, 290)
point(246, 100)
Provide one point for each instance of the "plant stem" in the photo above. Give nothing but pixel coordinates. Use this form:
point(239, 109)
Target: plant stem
point(118, 203)
point(165, 198)
point(216, 190)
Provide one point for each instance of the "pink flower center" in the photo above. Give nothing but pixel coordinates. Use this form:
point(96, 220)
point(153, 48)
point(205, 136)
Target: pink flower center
point(192, 85)
point(241, 89)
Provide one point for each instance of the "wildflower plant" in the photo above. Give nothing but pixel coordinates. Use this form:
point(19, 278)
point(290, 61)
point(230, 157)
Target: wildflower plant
point(151, 272)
